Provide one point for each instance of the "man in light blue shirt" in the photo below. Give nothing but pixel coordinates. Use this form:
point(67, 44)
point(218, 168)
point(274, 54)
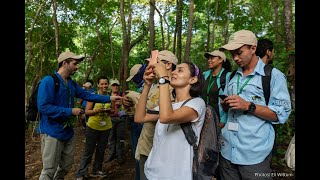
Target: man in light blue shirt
point(248, 136)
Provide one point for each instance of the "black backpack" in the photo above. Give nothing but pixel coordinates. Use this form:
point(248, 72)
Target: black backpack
point(32, 108)
point(206, 153)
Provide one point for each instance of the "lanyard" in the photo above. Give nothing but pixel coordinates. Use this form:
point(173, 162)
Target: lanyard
point(210, 84)
point(244, 84)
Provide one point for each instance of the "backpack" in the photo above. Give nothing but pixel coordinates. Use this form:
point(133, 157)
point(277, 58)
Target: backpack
point(32, 108)
point(206, 153)
point(290, 154)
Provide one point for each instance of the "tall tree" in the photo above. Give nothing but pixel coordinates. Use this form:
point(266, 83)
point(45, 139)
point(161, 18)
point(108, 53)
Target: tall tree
point(127, 44)
point(189, 35)
point(56, 26)
point(214, 22)
point(179, 28)
point(151, 25)
point(290, 46)
point(208, 26)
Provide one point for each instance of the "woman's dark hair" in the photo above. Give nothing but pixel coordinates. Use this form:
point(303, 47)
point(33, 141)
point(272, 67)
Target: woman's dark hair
point(227, 65)
point(102, 77)
point(197, 87)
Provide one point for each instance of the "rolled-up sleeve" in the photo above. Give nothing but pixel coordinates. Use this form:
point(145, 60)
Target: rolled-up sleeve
point(279, 102)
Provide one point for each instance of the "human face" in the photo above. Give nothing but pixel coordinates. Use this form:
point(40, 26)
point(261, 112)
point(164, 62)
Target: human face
point(103, 85)
point(181, 76)
point(243, 55)
point(72, 66)
point(115, 88)
point(214, 61)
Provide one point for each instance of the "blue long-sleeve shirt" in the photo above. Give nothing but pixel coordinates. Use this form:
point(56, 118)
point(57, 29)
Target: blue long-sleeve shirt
point(253, 141)
point(56, 108)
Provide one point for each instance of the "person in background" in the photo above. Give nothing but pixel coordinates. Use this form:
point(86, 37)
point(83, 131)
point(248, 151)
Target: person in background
point(219, 66)
point(98, 129)
point(116, 142)
point(136, 75)
point(265, 50)
point(171, 155)
point(248, 136)
point(83, 117)
point(58, 116)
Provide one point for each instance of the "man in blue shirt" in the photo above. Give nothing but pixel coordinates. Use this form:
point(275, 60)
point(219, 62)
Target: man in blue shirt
point(248, 136)
point(58, 115)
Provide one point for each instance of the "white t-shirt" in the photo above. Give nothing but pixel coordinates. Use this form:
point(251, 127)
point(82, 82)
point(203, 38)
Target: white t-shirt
point(171, 154)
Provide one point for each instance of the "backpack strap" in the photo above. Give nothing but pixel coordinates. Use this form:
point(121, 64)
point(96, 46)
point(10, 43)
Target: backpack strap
point(266, 82)
point(56, 82)
point(232, 74)
point(223, 80)
point(188, 131)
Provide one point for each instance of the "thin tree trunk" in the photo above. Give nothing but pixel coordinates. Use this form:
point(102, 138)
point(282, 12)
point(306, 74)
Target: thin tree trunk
point(190, 24)
point(214, 22)
point(226, 29)
point(176, 28)
point(151, 25)
point(276, 20)
point(208, 26)
point(179, 30)
point(290, 47)
point(29, 44)
point(56, 26)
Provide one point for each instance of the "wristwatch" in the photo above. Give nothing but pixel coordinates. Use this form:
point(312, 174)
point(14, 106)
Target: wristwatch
point(251, 108)
point(163, 81)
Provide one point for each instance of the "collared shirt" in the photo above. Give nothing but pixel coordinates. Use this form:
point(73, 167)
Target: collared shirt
point(253, 141)
point(208, 73)
point(56, 108)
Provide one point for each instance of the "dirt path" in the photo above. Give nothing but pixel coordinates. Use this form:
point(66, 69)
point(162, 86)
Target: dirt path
point(126, 171)
point(33, 162)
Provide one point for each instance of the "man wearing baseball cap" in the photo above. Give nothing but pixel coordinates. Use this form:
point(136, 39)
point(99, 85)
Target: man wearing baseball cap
point(248, 135)
point(58, 115)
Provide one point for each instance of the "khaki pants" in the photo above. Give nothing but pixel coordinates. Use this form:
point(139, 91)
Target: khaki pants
point(57, 157)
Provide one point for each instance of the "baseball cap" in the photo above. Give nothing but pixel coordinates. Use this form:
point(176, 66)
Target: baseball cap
point(239, 39)
point(168, 56)
point(133, 71)
point(147, 59)
point(66, 55)
point(87, 84)
point(114, 81)
point(215, 53)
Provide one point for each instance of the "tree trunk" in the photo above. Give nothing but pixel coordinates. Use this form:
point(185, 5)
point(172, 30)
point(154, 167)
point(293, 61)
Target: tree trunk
point(151, 26)
point(56, 26)
point(189, 35)
point(214, 22)
point(290, 47)
point(179, 30)
point(226, 33)
point(208, 26)
point(126, 45)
